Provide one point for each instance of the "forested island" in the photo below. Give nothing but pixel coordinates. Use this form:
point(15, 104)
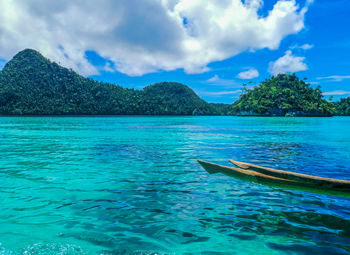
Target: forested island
point(30, 84)
point(282, 95)
point(33, 85)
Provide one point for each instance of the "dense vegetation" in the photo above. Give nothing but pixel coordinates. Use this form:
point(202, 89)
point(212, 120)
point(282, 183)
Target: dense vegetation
point(282, 95)
point(173, 98)
point(32, 85)
point(343, 107)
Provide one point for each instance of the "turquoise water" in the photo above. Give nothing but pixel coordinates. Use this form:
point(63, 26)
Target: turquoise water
point(131, 185)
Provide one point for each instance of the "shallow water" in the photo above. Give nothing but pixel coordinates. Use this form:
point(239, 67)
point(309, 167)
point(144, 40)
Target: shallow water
point(131, 185)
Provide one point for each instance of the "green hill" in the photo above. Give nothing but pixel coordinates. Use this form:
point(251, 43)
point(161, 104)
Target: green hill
point(33, 85)
point(282, 95)
point(173, 98)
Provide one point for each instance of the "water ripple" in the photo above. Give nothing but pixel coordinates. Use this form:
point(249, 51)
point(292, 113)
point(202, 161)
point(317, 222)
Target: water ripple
point(131, 185)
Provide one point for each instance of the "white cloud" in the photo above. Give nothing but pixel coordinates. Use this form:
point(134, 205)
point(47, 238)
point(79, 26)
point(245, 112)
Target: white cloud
point(220, 93)
point(213, 79)
point(305, 46)
point(249, 74)
point(334, 77)
point(216, 80)
point(145, 36)
point(108, 67)
point(313, 82)
point(287, 64)
point(336, 93)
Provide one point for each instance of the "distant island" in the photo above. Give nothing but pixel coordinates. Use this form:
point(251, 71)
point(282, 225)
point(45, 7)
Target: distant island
point(30, 84)
point(283, 95)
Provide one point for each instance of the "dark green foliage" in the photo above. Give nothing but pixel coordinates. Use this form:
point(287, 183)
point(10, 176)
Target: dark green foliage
point(283, 95)
point(173, 98)
point(343, 107)
point(220, 109)
point(33, 85)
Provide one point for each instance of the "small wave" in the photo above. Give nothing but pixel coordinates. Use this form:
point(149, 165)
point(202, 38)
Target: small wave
point(45, 249)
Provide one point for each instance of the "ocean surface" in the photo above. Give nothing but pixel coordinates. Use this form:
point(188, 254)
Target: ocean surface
point(132, 185)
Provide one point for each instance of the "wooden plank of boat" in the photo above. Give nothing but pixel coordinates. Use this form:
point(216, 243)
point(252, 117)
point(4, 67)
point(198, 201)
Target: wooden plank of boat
point(304, 178)
point(246, 175)
point(272, 181)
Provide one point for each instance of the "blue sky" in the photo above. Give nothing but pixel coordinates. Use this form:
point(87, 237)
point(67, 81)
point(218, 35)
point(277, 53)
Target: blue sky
point(213, 46)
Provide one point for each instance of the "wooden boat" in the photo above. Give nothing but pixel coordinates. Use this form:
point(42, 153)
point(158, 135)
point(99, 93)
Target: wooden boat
point(281, 179)
point(304, 178)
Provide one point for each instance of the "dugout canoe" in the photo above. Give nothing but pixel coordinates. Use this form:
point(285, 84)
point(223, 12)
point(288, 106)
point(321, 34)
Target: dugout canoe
point(327, 183)
point(341, 189)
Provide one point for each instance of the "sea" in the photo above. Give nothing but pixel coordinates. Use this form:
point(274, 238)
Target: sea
point(132, 185)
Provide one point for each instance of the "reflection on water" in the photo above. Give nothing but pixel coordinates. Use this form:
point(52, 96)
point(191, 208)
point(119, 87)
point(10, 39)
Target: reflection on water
point(131, 185)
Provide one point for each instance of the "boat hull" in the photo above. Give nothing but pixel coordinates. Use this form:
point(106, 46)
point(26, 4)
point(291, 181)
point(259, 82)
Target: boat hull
point(321, 182)
point(273, 181)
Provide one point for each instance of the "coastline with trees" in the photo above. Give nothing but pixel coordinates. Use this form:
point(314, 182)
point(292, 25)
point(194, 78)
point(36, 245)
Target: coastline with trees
point(30, 84)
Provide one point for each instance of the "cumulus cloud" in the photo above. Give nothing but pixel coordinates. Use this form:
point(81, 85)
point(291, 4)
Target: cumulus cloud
point(249, 74)
point(287, 64)
point(146, 36)
point(334, 77)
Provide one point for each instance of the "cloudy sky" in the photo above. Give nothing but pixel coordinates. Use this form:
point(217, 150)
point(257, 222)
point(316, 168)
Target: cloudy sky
point(214, 46)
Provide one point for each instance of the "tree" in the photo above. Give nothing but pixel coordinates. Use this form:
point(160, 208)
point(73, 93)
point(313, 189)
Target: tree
point(32, 84)
point(283, 95)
